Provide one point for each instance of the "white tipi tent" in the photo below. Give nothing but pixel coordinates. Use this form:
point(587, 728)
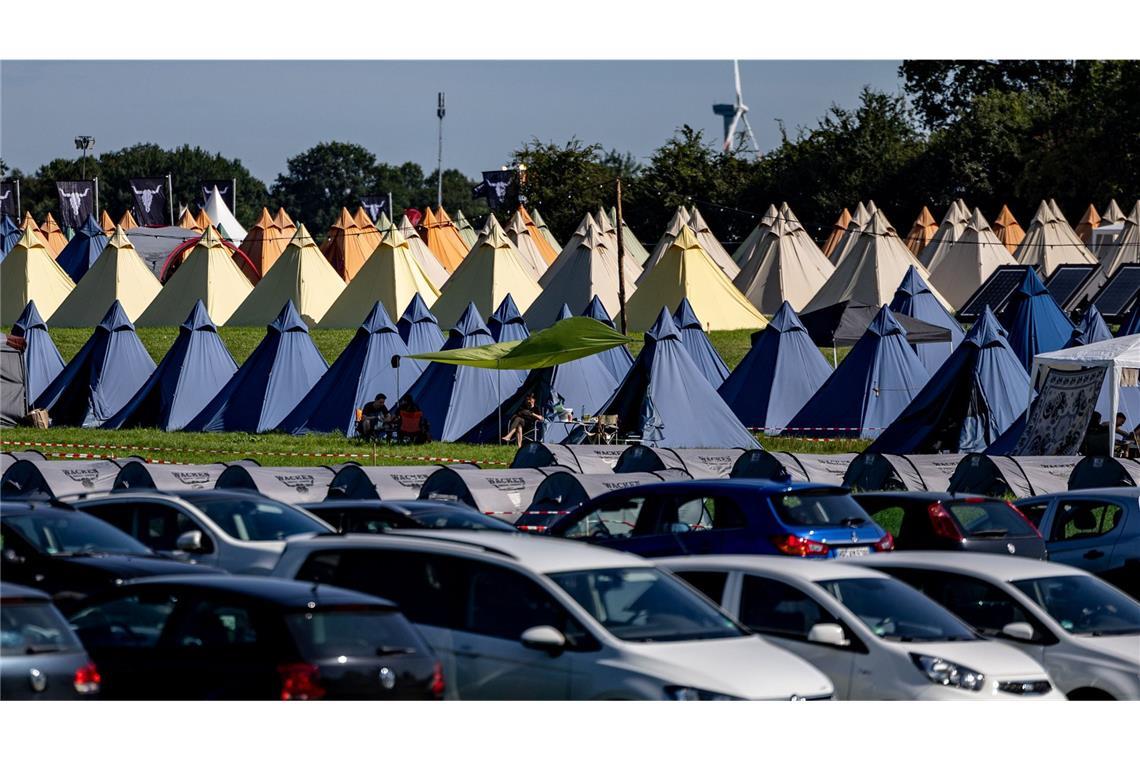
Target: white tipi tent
point(959, 268)
point(220, 214)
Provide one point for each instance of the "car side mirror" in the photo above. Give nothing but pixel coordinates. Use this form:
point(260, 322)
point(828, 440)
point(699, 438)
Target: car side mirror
point(544, 638)
point(828, 633)
point(190, 542)
point(1019, 631)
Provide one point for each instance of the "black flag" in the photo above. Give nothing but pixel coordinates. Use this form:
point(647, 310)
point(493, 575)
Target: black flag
point(76, 202)
point(373, 205)
point(150, 201)
point(227, 189)
point(8, 199)
point(495, 187)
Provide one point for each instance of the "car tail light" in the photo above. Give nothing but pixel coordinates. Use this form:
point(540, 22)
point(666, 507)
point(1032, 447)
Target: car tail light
point(1023, 517)
point(885, 544)
point(800, 547)
point(87, 679)
point(437, 683)
point(300, 681)
point(943, 524)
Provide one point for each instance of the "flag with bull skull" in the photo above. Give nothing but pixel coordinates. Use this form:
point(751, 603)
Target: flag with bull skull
point(76, 201)
point(496, 187)
point(373, 205)
point(150, 201)
point(8, 199)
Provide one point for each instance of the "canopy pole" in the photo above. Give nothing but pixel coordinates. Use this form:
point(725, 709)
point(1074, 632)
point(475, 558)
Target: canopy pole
point(621, 262)
point(834, 355)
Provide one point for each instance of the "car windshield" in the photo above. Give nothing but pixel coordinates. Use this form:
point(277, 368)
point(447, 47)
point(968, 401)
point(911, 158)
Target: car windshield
point(255, 518)
point(61, 533)
point(819, 508)
point(644, 604)
point(989, 518)
point(459, 519)
point(325, 634)
point(1084, 605)
point(897, 612)
point(33, 628)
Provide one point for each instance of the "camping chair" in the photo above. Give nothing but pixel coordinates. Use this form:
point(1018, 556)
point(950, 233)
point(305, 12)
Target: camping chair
point(414, 427)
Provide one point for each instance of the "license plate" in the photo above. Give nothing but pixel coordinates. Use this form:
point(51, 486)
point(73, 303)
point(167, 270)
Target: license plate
point(852, 551)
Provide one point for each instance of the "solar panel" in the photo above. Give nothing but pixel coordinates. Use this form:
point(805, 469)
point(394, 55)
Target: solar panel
point(1067, 280)
point(994, 292)
point(1118, 294)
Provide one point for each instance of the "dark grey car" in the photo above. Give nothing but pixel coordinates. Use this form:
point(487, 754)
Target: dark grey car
point(40, 657)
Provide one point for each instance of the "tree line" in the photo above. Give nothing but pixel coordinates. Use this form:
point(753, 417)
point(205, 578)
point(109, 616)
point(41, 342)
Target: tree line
point(991, 132)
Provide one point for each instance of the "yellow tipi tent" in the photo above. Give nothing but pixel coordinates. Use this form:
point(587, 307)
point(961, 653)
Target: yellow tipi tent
point(29, 223)
point(301, 274)
point(29, 273)
point(491, 271)
point(346, 247)
point(686, 271)
point(443, 239)
point(118, 274)
point(208, 273)
point(51, 234)
point(421, 253)
point(391, 275)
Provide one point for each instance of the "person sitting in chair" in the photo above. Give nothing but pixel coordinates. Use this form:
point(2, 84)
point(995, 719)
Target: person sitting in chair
point(524, 415)
point(413, 425)
point(373, 418)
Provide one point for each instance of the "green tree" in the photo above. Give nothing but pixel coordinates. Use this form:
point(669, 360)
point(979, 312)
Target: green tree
point(326, 178)
point(565, 182)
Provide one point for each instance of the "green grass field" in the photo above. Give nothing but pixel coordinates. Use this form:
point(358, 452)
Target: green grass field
point(277, 449)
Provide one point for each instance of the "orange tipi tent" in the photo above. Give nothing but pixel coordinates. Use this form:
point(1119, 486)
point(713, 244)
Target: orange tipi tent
point(188, 222)
point(367, 228)
point(52, 235)
point(106, 223)
point(1007, 229)
point(345, 247)
point(264, 242)
point(284, 223)
point(203, 219)
point(127, 222)
point(443, 238)
point(837, 231)
point(1089, 222)
point(540, 240)
point(921, 232)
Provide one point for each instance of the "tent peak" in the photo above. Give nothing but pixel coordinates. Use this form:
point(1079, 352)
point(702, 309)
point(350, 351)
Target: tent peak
point(885, 324)
point(470, 322)
point(198, 318)
point(377, 321)
point(417, 311)
point(288, 320)
point(663, 328)
point(685, 317)
point(301, 237)
point(786, 320)
point(115, 319)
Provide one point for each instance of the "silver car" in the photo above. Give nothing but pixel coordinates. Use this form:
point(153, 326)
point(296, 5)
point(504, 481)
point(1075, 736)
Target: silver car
point(237, 531)
point(40, 657)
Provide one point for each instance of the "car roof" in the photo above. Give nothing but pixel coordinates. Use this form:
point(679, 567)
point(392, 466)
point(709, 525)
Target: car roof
point(794, 567)
point(279, 591)
point(732, 484)
point(928, 496)
point(32, 505)
point(542, 554)
point(408, 504)
point(997, 566)
point(12, 591)
point(1130, 492)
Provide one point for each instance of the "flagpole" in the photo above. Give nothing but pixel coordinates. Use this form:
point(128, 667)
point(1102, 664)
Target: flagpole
point(19, 210)
point(233, 184)
point(391, 212)
point(96, 197)
point(621, 262)
point(170, 197)
point(439, 111)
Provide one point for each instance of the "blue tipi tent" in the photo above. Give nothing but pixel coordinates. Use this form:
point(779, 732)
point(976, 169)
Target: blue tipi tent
point(192, 372)
point(1092, 329)
point(363, 370)
point(582, 385)
point(618, 360)
point(101, 377)
point(9, 235)
point(869, 388)
point(914, 299)
point(666, 400)
point(697, 342)
point(83, 248)
point(506, 324)
point(280, 371)
point(1131, 324)
point(42, 362)
point(778, 374)
point(418, 327)
point(975, 396)
point(454, 398)
point(1033, 321)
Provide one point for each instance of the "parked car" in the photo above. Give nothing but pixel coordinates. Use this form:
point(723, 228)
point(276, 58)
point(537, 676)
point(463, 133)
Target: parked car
point(68, 554)
point(942, 521)
point(237, 531)
point(372, 516)
point(727, 517)
point(244, 637)
point(515, 616)
point(1085, 632)
point(1096, 530)
point(40, 658)
point(873, 635)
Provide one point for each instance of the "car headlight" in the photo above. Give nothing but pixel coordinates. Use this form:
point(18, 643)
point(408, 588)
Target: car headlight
point(690, 694)
point(946, 673)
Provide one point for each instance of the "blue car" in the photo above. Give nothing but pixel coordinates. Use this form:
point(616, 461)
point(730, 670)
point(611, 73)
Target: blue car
point(738, 516)
point(1096, 529)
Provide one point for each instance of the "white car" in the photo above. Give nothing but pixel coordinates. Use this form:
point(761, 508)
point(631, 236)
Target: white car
point(1084, 632)
point(873, 635)
point(516, 616)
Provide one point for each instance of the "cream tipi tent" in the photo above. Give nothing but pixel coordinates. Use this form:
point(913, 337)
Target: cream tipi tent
point(858, 220)
point(29, 273)
point(549, 252)
point(468, 233)
point(1124, 250)
point(782, 268)
point(577, 275)
point(712, 246)
point(526, 245)
point(960, 268)
point(422, 255)
point(542, 227)
point(119, 274)
point(302, 275)
point(208, 273)
point(392, 275)
point(1050, 242)
point(685, 271)
point(953, 224)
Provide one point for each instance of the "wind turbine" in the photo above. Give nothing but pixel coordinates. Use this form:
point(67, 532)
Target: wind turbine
point(733, 115)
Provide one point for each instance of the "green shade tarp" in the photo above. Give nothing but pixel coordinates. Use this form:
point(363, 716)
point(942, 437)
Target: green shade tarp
point(565, 341)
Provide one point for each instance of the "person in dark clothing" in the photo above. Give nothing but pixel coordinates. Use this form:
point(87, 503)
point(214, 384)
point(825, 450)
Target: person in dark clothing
point(374, 417)
point(525, 415)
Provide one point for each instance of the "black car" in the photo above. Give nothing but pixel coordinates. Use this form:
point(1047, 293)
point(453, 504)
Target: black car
point(246, 637)
point(67, 554)
point(372, 516)
point(40, 658)
point(943, 521)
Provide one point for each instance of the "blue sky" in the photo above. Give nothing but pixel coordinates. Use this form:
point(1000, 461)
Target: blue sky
point(266, 111)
